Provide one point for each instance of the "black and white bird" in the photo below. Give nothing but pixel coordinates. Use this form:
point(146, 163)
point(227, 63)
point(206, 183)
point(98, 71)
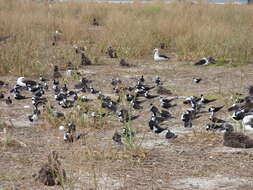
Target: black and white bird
point(34, 116)
point(205, 61)
point(215, 109)
point(158, 57)
point(42, 79)
point(187, 119)
point(23, 82)
point(18, 96)
point(196, 80)
point(148, 96)
point(170, 135)
point(153, 125)
point(204, 100)
point(158, 81)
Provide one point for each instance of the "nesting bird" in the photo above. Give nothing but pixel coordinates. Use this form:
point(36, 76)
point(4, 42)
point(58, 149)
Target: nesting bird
point(235, 139)
point(205, 61)
point(158, 57)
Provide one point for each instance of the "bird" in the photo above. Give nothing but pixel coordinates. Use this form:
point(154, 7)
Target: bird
point(148, 96)
point(42, 79)
point(170, 135)
point(123, 63)
point(247, 122)
point(158, 81)
point(23, 82)
point(204, 100)
point(190, 99)
point(196, 80)
point(187, 119)
point(18, 96)
point(158, 57)
point(205, 61)
point(117, 137)
point(236, 139)
point(56, 73)
point(8, 101)
point(95, 22)
point(215, 109)
point(153, 125)
point(34, 116)
point(214, 127)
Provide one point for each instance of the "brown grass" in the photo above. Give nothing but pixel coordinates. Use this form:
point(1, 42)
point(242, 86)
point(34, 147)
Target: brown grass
point(190, 30)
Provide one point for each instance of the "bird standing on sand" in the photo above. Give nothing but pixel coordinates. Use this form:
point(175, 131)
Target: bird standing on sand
point(158, 57)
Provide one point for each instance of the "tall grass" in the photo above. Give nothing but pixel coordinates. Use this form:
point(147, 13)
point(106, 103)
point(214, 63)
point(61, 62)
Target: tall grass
point(190, 30)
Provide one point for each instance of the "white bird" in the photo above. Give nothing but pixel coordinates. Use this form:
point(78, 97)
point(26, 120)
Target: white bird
point(247, 123)
point(158, 57)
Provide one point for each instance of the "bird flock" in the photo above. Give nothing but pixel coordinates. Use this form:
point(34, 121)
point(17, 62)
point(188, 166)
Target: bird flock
point(130, 99)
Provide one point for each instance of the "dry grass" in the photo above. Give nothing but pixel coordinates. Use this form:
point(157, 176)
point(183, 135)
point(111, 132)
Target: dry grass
point(190, 30)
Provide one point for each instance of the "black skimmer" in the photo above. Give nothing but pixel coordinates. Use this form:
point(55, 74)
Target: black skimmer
point(158, 57)
point(206, 61)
